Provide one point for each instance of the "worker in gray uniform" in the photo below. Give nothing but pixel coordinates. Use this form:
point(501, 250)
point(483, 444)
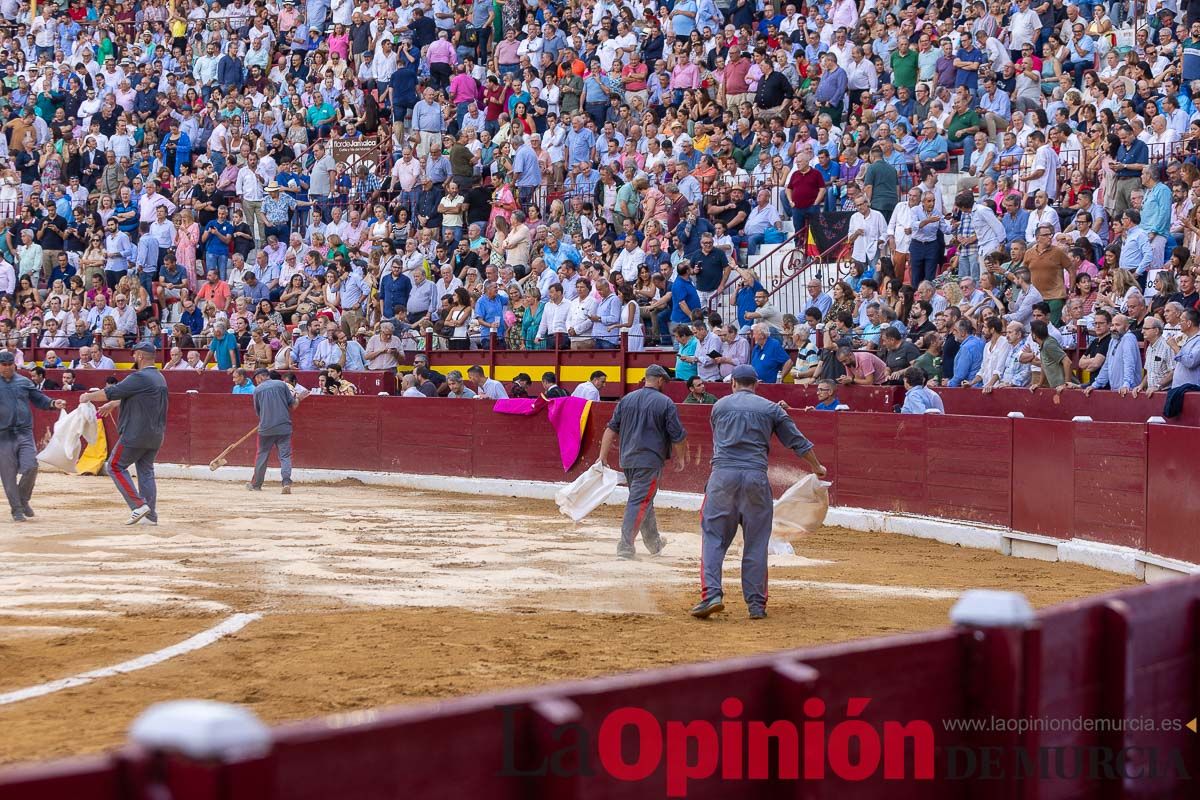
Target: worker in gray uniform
point(273, 403)
point(650, 432)
point(738, 492)
point(142, 397)
point(17, 451)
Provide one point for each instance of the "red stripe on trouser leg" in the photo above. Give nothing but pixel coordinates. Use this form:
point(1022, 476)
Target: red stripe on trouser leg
point(121, 480)
point(637, 522)
point(703, 500)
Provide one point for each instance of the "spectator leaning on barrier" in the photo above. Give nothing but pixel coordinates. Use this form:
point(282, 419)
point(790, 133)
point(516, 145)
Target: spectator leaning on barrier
point(918, 398)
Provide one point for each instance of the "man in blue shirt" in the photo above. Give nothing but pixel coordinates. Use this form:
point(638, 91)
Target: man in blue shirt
point(529, 173)
point(217, 236)
point(743, 301)
point(224, 348)
point(918, 398)
point(672, 314)
point(767, 356)
point(1015, 220)
point(580, 143)
point(394, 289)
point(1122, 367)
point(1132, 156)
point(827, 399)
point(490, 311)
point(304, 348)
point(969, 359)
point(1156, 215)
point(1136, 255)
point(241, 382)
point(967, 62)
point(995, 106)
point(1081, 51)
point(933, 150)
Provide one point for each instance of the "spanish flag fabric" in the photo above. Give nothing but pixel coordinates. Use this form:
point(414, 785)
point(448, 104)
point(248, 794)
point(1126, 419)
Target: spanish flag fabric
point(568, 416)
point(94, 457)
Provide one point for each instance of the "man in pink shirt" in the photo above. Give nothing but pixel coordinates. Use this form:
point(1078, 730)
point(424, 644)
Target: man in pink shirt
point(442, 58)
point(464, 90)
point(862, 368)
point(737, 90)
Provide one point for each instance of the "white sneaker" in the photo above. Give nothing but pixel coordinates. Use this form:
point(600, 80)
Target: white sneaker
point(147, 521)
point(138, 514)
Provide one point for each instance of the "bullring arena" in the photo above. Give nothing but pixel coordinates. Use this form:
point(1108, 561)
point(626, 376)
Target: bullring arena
point(373, 596)
point(367, 611)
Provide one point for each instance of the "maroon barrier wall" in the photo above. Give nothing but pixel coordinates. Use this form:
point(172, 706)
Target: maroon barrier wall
point(1172, 502)
point(212, 381)
point(1107, 482)
point(1099, 405)
point(858, 398)
point(1127, 655)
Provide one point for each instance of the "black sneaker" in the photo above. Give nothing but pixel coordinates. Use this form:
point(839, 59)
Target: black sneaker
point(706, 608)
point(628, 555)
point(758, 613)
point(18, 516)
point(27, 511)
point(251, 487)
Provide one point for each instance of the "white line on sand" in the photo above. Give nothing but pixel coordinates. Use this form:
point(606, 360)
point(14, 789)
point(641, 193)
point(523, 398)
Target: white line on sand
point(202, 639)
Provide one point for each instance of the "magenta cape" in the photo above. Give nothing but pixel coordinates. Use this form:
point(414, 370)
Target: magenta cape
point(568, 416)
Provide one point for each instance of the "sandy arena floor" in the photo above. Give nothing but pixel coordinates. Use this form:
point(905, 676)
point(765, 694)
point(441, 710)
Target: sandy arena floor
point(374, 596)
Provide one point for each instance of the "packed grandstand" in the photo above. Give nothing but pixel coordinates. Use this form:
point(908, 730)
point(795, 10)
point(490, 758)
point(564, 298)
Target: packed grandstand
point(1001, 195)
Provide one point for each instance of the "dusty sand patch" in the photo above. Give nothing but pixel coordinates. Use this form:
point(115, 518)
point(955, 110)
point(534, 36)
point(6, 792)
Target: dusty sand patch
point(375, 596)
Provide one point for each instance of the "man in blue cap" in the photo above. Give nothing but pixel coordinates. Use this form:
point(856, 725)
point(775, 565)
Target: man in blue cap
point(17, 451)
point(650, 431)
point(142, 398)
point(738, 492)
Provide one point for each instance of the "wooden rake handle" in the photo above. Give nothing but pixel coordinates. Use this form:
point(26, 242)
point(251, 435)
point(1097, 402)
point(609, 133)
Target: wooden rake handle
point(219, 460)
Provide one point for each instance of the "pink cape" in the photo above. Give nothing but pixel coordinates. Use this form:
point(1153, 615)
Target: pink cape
point(568, 416)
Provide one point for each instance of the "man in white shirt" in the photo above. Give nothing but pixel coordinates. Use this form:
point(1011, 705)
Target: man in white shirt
point(486, 388)
point(250, 190)
point(384, 349)
point(1042, 175)
point(764, 215)
point(581, 309)
point(630, 259)
point(708, 342)
point(1024, 27)
point(868, 230)
point(591, 389)
point(553, 328)
point(1042, 214)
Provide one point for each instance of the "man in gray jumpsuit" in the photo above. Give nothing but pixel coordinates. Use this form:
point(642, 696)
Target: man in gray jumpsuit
point(142, 398)
point(17, 451)
point(738, 492)
point(650, 432)
point(273, 403)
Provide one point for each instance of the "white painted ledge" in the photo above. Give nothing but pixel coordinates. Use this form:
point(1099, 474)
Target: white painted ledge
point(1110, 558)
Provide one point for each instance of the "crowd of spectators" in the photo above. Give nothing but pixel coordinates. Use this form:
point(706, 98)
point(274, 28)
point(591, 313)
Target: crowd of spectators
point(1020, 181)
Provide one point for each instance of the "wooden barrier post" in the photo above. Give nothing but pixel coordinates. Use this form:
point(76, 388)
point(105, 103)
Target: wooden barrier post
point(1003, 650)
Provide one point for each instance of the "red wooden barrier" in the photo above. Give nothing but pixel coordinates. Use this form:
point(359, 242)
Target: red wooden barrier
point(1099, 405)
point(968, 469)
point(1110, 483)
point(882, 462)
point(858, 398)
point(1043, 495)
point(1172, 502)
